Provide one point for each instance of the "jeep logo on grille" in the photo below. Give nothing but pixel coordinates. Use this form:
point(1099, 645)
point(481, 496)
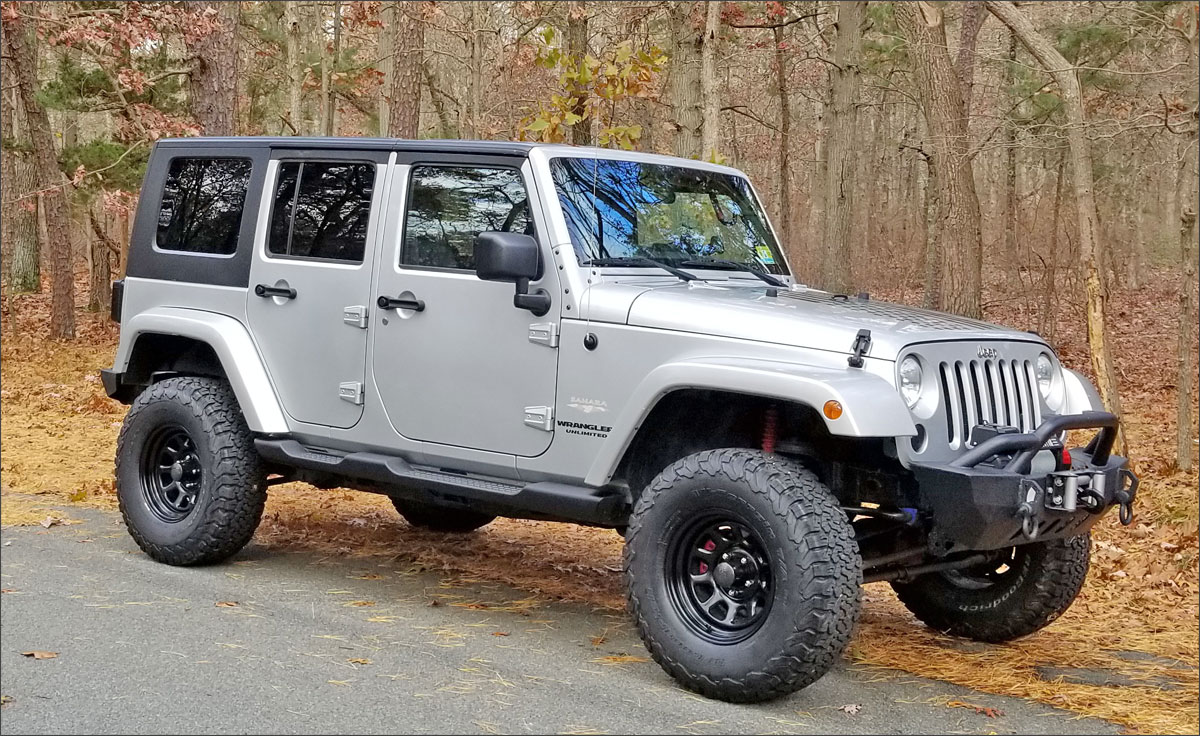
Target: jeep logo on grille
point(987, 353)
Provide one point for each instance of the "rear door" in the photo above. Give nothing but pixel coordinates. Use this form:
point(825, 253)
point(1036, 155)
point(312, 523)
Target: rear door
point(310, 280)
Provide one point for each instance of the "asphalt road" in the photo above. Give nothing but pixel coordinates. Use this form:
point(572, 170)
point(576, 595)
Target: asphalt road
point(341, 645)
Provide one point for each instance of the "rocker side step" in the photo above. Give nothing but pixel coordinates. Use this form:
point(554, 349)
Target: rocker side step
point(558, 501)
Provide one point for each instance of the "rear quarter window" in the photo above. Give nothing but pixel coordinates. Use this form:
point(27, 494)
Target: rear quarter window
point(202, 205)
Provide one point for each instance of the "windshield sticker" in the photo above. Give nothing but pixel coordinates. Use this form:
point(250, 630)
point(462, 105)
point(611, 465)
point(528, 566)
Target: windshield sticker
point(764, 255)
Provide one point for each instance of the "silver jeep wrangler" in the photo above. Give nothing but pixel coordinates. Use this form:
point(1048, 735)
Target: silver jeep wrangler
point(482, 329)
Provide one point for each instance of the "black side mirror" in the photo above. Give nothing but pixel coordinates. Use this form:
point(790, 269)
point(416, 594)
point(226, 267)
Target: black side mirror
point(512, 257)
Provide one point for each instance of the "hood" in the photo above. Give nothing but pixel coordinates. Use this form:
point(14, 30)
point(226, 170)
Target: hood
point(802, 317)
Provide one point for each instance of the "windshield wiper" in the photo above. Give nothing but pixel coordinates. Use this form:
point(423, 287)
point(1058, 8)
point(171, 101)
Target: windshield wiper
point(734, 265)
point(650, 262)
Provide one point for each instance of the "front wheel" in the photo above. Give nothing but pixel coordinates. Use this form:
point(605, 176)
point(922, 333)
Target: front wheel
point(743, 575)
point(1019, 592)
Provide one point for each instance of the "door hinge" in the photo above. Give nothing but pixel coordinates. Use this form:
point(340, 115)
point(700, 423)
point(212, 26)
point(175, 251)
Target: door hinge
point(351, 391)
point(540, 417)
point(356, 316)
point(544, 333)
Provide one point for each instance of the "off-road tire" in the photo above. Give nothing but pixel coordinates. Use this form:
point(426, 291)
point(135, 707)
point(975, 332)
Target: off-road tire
point(440, 518)
point(232, 491)
point(1039, 587)
point(813, 560)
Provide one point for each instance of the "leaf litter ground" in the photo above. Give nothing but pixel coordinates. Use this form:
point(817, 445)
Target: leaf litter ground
point(1126, 651)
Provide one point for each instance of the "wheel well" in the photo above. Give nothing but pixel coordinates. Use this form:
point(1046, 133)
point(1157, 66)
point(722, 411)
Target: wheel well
point(693, 420)
point(155, 354)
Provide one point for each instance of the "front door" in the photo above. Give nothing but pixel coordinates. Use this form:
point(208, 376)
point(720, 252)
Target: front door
point(454, 361)
point(310, 282)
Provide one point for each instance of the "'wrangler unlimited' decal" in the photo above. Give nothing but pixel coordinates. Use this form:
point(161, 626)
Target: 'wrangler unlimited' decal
point(587, 430)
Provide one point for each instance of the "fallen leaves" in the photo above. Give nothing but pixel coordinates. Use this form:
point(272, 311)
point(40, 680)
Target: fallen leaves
point(39, 654)
point(358, 660)
point(619, 659)
point(499, 633)
point(980, 709)
point(5, 701)
point(227, 604)
point(851, 709)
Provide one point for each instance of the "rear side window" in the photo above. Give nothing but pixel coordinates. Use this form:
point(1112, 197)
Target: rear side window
point(202, 204)
point(321, 210)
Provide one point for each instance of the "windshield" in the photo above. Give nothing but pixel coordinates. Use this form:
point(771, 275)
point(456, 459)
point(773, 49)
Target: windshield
point(617, 210)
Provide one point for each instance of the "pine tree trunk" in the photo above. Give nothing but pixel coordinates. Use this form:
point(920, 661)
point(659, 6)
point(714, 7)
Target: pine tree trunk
point(21, 57)
point(685, 80)
point(710, 126)
point(841, 148)
point(1085, 201)
point(99, 267)
point(212, 94)
point(405, 116)
point(958, 219)
point(20, 219)
point(784, 171)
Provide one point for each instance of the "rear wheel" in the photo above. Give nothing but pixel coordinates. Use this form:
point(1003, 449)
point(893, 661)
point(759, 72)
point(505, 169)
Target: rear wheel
point(743, 576)
point(189, 481)
point(441, 518)
point(1019, 592)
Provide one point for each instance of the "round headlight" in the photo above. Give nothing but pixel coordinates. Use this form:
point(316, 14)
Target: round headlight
point(1044, 368)
point(910, 380)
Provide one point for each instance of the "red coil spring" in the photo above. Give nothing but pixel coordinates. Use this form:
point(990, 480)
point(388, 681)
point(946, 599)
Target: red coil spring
point(770, 419)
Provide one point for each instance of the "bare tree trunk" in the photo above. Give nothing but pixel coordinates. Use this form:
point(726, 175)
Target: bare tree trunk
point(577, 48)
point(974, 14)
point(1049, 284)
point(20, 178)
point(388, 29)
point(21, 57)
point(840, 146)
point(295, 66)
point(1010, 173)
point(99, 265)
point(405, 120)
point(711, 118)
point(445, 128)
point(784, 171)
point(212, 94)
point(685, 80)
point(958, 219)
point(1185, 427)
point(1081, 165)
point(474, 72)
point(329, 62)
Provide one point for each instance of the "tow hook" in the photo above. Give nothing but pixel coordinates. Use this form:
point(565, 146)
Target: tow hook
point(1027, 509)
point(1125, 495)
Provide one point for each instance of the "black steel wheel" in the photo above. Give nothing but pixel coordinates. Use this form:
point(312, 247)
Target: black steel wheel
point(1016, 593)
point(742, 573)
point(719, 573)
point(190, 483)
point(171, 474)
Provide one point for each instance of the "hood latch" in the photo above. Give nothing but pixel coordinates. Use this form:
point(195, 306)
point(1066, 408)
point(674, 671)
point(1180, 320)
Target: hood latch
point(862, 343)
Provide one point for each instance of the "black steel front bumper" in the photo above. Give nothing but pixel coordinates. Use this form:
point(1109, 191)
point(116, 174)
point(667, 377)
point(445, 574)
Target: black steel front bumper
point(988, 498)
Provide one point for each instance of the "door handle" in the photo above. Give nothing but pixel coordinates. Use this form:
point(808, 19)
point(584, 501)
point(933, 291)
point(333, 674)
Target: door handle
point(268, 291)
point(387, 302)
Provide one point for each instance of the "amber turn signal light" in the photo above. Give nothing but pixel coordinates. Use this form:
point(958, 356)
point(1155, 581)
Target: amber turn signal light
point(833, 409)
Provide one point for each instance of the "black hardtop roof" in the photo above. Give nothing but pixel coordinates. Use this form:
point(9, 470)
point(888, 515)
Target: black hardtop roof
point(509, 148)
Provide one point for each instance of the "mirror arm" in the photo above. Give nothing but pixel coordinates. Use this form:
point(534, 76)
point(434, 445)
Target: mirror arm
point(538, 302)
